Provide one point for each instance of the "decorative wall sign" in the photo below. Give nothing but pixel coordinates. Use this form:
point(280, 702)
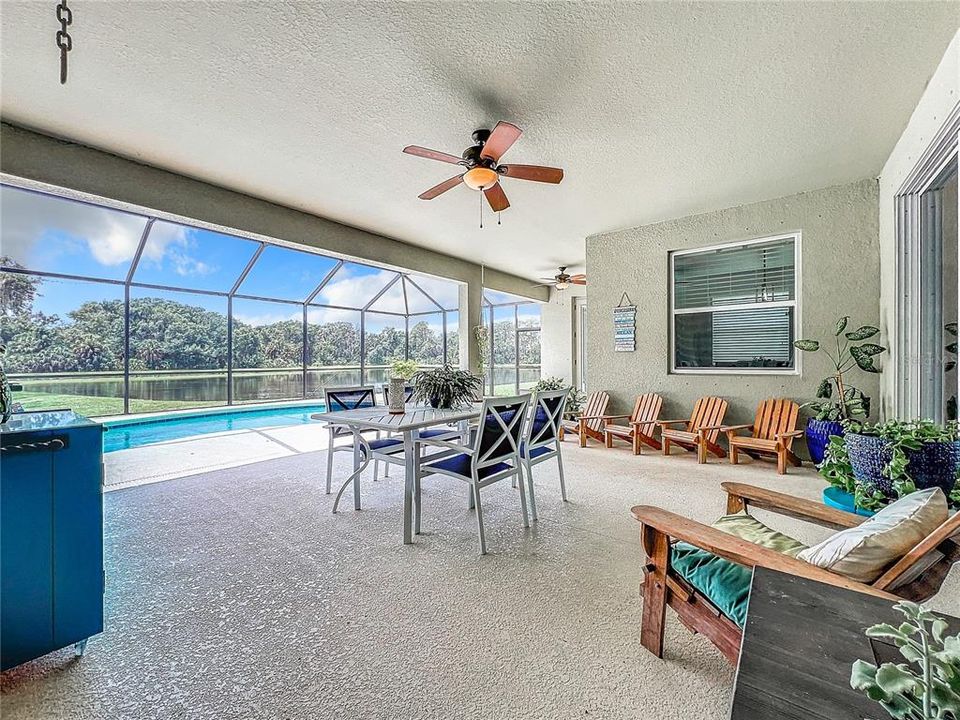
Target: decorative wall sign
point(625, 326)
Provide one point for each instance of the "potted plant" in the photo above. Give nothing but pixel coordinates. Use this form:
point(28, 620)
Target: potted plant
point(838, 400)
point(927, 685)
point(575, 399)
point(400, 373)
point(446, 387)
point(881, 462)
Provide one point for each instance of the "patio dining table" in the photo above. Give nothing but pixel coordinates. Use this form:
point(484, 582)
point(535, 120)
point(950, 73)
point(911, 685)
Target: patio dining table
point(409, 425)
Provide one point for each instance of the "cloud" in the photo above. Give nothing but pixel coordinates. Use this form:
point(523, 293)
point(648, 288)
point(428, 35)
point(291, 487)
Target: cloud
point(349, 289)
point(267, 318)
point(29, 219)
point(38, 230)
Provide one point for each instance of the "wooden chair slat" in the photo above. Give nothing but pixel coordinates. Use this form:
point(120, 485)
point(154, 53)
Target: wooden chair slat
point(774, 417)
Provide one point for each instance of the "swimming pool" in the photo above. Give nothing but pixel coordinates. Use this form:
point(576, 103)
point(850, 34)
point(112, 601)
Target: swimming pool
point(126, 434)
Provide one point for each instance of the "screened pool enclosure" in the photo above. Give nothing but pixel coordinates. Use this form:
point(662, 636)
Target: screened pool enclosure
point(108, 312)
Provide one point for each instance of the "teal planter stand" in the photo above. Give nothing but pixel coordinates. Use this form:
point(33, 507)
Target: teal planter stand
point(842, 500)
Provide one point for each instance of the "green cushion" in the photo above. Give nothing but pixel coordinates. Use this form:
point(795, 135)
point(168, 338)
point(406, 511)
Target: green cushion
point(724, 583)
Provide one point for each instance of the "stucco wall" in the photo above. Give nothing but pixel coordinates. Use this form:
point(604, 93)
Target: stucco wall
point(840, 269)
point(558, 323)
point(85, 170)
point(939, 98)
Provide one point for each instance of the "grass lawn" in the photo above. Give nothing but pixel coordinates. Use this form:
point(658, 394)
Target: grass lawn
point(93, 406)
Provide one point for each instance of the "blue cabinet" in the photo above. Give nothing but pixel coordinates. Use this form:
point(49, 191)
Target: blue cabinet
point(51, 534)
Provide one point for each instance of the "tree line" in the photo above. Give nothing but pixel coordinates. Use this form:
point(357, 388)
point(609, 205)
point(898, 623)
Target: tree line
point(170, 335)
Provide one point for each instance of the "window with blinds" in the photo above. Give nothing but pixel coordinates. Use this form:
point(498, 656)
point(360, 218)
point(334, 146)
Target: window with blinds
point(734, 307)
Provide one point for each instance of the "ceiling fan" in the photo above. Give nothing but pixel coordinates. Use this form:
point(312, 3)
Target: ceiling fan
point(562, 280)
point(483, 171)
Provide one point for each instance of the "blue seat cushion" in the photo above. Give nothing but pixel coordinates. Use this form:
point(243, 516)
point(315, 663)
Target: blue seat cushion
point(435, 433)
point(459, 464)
point(536, 452)
point(386, 444)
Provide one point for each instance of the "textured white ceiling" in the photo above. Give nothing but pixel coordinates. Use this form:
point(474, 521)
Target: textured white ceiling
point(653, 110)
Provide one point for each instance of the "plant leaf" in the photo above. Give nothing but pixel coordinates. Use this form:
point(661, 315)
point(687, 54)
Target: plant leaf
point(864, 362)
point(872, 348)
point(806, 345)
point(862, 333)
point(896, 679)
point(842, 324)
point(951, 328)
point(825, 388)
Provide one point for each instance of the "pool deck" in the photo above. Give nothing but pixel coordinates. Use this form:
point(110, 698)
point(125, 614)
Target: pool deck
point(213, 451)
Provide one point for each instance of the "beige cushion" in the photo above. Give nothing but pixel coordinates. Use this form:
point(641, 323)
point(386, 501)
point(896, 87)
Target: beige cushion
point(746, 527)
point(862, 553)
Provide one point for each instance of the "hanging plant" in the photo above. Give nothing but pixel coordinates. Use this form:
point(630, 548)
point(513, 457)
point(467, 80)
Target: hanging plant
point(482, 334)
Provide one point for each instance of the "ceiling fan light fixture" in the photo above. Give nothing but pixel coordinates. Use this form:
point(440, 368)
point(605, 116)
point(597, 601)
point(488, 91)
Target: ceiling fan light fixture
point(480, 178)
point(562, 285)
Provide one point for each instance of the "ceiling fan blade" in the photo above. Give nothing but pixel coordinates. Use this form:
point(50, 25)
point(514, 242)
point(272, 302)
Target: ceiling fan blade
point(497, 198)
point(432, 154)
point(578, 276)
point(503, 136)
point(537, 173)
point(549, 284)
point(441, 188)
point(577, 281)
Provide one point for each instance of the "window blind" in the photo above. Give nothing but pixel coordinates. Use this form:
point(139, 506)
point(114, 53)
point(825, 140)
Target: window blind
point(758, 272)
point(712, 327)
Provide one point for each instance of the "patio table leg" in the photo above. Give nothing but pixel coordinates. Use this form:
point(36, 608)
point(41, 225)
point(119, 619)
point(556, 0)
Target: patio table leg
point(409, 447)
point(356, 467)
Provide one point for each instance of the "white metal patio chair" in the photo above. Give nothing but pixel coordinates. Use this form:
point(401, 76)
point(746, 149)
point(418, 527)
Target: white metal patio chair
point(347, 398)
point(542, 438)
point(493, 455)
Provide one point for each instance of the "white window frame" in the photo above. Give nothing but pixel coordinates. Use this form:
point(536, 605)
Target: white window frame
point(797, 237)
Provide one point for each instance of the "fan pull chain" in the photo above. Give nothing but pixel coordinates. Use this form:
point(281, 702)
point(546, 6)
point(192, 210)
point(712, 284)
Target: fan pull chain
point(481, 210)
point(498, 217)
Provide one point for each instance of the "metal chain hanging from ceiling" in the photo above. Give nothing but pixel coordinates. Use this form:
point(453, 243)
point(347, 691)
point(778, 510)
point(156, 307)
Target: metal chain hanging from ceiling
point(64, 41)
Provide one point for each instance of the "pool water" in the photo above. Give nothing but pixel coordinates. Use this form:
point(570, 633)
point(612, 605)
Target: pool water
point(123, 435)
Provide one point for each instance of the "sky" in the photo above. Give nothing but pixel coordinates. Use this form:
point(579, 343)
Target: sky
point(47, 233)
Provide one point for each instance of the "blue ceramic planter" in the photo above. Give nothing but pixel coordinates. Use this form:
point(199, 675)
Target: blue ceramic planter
point(933, 465)
point(818, 434)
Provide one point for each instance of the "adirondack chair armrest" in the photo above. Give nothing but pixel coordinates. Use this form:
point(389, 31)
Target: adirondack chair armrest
point(590, 417)
point(741, 496)
point(734, 428)
point(668, 423)
point(792, 433)
point(729, 547)
point(614, 417)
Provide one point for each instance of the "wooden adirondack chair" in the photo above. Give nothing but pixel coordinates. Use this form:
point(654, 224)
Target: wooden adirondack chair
point(933, 557)
point(700, 431)
point(642, 424)
point(590, 423)
point(774, 428)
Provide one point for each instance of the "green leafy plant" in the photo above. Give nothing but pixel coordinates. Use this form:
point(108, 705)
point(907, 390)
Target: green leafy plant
point(446, 387)
point(482, 334)
point(6, 397)
point(837, 399)
point(900, 436)
point(950, 365)
point(927, 685)
point(403, 369)
point(575, 399)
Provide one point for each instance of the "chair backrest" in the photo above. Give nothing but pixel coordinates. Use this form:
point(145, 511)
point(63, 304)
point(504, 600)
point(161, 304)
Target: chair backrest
point(502, 422)
point(933, 556)
point(544, 425)
point(407, 394)
point(646, 410)
point(350, 398)
point(596, 405)
point(775, 416)
point(708, 412)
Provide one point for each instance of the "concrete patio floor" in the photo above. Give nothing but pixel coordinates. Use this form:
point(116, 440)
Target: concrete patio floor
point(236, 593)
